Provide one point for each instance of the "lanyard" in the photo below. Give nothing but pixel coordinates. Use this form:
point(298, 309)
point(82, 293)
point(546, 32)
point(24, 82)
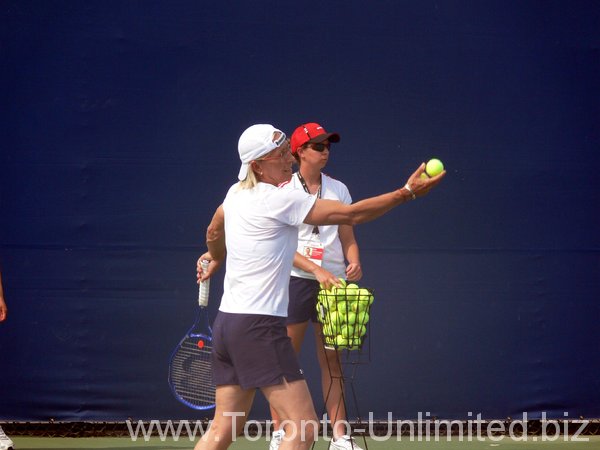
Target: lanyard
point(305, 186)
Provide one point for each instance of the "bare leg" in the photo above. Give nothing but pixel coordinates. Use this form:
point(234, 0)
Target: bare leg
point(296, 411)
point(332, 384)
point(296, 332)
point(231, 401)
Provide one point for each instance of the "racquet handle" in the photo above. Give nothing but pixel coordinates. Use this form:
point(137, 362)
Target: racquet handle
point(204, 287)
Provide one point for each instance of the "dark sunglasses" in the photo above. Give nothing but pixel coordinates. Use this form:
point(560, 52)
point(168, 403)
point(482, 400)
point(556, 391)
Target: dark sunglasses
point(318, 146)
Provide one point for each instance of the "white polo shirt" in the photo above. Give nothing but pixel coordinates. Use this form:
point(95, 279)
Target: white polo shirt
point(333, 255)
point(261, 234)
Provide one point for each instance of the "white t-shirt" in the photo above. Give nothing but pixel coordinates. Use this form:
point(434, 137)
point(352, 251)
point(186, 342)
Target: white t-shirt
point(333, 256)
point(261, 234)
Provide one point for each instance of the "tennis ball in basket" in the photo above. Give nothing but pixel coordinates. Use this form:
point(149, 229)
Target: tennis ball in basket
point(362, 317)
point(341, 341)
point(334, 318)
point(363, 293)
point(363, 305)
point(330, 303)
point(351, 318)
point(343, 282)
point(347, 331)
point(351, 291)
point(354, 306)
point(328, 329)
point(432, 168)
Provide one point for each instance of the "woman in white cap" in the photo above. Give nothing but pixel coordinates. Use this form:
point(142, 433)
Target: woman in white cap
point(320, 261)
point(257, 227)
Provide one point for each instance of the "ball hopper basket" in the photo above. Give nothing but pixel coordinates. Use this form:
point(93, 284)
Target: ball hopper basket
point(344, 314)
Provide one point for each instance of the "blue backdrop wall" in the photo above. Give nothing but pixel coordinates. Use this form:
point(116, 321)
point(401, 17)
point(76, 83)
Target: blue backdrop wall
point(119, 128)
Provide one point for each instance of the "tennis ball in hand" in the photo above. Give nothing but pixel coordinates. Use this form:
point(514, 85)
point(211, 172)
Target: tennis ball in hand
point(432, 168)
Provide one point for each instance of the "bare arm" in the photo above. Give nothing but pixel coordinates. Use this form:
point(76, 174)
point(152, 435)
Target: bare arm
point(3, 309)
point(325, 278)
point(215, 235)
point(351, 253)
point(215, 242)
point(330, 212)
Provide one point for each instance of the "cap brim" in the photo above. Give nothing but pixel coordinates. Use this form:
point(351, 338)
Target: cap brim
point(332, 137)
point(243, 173)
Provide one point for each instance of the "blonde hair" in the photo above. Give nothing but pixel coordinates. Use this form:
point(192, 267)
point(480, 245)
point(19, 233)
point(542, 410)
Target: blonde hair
point(250, 181)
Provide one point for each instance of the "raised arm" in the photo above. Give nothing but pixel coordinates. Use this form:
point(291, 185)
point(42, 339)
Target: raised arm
point(329, 212)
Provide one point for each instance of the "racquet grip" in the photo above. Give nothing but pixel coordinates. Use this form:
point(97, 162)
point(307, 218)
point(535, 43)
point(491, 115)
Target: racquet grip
point(204, 287)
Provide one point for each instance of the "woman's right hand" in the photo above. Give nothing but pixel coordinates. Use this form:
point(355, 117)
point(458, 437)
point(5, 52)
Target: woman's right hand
point(421, 186)
point(213, 266)
point(326, 279)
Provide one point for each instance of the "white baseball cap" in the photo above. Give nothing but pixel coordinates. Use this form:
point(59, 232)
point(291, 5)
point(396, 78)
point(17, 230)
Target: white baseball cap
point(257, 141)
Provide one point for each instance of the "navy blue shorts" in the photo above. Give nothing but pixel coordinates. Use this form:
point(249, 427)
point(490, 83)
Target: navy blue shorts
point(252, 351)
point(303, 300)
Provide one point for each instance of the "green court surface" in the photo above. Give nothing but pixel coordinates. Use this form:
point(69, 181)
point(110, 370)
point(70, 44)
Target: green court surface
point(155, 443)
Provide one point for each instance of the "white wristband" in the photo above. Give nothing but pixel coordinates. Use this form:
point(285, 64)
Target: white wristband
point(412, 194)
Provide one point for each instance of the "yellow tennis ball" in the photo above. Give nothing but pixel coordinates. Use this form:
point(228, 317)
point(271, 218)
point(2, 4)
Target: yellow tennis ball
point(434, 167)
point(347, 331)
point(334, 319)
point(341, 341)
point(362, 317)
point(351, 291)
point(342, 307)
point(350, 318)
point(331, 303)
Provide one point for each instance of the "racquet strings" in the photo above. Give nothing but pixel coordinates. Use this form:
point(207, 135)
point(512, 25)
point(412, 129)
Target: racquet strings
point(191, 373)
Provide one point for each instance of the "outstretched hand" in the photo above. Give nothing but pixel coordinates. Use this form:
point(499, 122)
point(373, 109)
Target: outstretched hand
point(421, 186)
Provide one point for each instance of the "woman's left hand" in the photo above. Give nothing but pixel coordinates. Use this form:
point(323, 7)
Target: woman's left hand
point(353, 272)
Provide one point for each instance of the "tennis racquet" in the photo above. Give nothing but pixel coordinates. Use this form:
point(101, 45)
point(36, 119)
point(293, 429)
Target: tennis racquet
point(190, 369)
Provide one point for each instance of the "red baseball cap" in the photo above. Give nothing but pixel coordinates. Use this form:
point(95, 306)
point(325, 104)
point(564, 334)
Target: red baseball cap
point(311, 132)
